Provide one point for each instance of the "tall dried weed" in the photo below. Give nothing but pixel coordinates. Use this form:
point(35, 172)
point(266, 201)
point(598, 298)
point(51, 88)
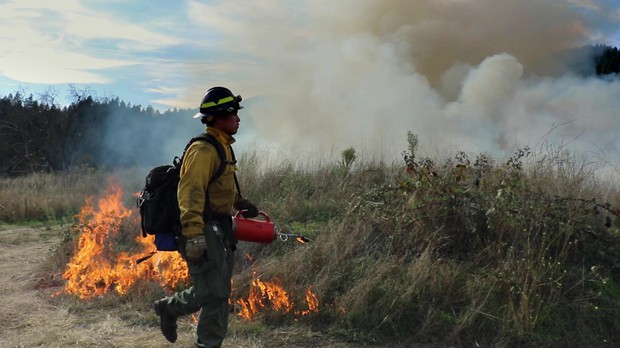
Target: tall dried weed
point(463, 251)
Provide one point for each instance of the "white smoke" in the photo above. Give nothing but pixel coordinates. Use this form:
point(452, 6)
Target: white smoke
point(472, 75)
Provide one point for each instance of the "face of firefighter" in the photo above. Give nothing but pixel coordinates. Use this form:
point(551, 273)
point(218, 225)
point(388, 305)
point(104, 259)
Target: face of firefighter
point(229, 124)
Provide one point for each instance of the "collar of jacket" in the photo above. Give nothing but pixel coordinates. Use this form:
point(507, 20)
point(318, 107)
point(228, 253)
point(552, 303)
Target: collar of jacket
point(222, 137)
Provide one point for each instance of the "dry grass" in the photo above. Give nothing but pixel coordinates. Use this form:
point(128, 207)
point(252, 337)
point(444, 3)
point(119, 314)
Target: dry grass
point(32, 317)
point(46, 197)
point(466, 252)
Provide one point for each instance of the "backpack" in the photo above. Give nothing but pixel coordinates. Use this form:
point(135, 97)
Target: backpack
point(158, 203)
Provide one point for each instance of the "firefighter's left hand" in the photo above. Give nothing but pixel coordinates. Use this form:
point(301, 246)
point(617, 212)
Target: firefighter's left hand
point(247, 208)
point(196, 248)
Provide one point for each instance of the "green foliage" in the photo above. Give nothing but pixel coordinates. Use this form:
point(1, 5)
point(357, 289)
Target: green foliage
point(343, 168)
point(608, 61)
point(469, 251)
point(40, 136)
point(591, 60)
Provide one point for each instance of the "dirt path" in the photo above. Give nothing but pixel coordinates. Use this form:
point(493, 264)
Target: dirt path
point(31, 317)
point(27, 320)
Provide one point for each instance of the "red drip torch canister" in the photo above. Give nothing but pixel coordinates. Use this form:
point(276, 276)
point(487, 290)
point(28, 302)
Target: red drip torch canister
point(252, 230)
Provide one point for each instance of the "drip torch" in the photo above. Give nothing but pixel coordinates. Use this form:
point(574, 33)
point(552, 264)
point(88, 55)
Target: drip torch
point(253, 230)
point(260, 231)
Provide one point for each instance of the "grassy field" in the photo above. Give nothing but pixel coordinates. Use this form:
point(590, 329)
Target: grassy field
point(462, 251)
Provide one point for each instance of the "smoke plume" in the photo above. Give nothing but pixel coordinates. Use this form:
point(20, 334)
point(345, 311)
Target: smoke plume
point(473, 75)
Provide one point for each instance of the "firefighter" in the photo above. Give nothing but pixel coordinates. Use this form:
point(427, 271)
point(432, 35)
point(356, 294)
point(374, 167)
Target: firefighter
point(207, 243)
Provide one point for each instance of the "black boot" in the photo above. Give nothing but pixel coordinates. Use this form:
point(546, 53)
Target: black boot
point(167, 321)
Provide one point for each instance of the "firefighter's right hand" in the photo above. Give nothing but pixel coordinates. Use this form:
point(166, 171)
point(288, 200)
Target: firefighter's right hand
point(196, 248)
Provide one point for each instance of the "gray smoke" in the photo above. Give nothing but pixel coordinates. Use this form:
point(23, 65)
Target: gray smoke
point(473, 75)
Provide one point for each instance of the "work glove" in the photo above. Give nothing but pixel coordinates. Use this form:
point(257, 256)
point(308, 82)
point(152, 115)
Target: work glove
point(195, 248)
point(247, 208)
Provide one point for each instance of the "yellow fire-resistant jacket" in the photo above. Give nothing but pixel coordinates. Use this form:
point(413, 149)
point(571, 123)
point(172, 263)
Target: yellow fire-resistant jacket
point(201, 161)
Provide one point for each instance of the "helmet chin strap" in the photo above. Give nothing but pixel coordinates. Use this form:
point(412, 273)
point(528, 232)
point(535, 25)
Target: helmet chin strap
point(206, 119)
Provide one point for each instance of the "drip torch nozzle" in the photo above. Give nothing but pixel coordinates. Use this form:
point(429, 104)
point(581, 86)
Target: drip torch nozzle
point(285, 236)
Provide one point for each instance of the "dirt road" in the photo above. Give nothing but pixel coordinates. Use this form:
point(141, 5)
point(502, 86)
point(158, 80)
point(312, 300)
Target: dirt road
point(31, 317)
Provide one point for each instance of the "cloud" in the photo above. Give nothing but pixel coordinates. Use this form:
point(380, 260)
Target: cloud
point(52, 42)
point(461, 73)
point(587, 4)
point(28, 66)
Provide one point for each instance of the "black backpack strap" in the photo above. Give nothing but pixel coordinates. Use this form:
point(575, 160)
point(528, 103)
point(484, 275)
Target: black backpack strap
point(234, 161)
point(221, 153)
point(235, 174)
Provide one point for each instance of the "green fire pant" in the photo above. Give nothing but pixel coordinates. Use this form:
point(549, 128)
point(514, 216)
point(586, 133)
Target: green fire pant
point(211, 287)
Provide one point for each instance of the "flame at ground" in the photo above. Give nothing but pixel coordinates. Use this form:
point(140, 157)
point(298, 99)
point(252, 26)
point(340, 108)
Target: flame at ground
point(313, 303)
point(272, 296)
point(96, 268)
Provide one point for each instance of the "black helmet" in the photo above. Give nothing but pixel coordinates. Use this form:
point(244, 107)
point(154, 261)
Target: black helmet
point(218, 101)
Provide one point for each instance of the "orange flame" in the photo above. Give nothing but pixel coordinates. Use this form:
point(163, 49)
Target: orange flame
point(312, 301)
point(272, 296)
point(96, 269)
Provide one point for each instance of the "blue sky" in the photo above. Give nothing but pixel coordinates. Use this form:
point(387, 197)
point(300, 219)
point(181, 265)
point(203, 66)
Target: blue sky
point(336, 73)
point(145, 51)
point(131, 49)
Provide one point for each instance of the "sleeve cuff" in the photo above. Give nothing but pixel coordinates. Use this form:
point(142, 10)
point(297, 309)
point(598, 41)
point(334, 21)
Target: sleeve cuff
point(192, 231)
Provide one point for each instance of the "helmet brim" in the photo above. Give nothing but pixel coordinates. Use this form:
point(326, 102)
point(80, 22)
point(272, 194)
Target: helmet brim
point(201, 115)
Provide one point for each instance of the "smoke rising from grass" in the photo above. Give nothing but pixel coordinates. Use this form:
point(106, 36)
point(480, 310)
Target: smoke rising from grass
point(476, 75)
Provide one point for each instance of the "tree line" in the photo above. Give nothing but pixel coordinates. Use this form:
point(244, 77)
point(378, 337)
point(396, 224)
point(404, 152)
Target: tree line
point(39, 135)
point(607, 61)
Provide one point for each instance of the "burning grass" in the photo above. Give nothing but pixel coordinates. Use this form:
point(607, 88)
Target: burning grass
point(54, 197)
point(98, 265)
point(465, 252)
point(105, 261)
